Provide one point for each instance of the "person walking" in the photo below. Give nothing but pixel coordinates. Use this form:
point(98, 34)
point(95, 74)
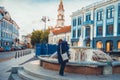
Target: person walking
point(62, 48)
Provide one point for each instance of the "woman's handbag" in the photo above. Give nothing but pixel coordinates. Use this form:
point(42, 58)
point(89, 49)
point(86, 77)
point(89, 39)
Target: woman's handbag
point(63, 55)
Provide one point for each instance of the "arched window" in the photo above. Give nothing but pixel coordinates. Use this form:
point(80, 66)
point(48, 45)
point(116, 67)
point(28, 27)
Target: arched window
point(99, 45)
point(118, 44)
point(109, 45)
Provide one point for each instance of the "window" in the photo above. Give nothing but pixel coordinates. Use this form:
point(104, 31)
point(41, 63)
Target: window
point(99, 15)
point(79, 32)
point(88, 17)
point(79, 20)
point(74, 33)
point(99, 30)
point(109, 29)
point(110, 12)
point(118, 44)
point(74, 22)
point(109, 45)
point(2, 34)
point(119, 12)
point(118, 28)
point(2, 24)
point(87, 31)
point(99, 45)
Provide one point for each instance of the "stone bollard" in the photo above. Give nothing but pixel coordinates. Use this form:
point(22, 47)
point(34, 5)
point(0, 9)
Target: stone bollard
point(20, 54)
point(23, 53)
point(107, 69)
point(16, 55)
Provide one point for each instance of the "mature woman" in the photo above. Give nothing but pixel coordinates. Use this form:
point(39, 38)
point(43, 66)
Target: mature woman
point(62, 48)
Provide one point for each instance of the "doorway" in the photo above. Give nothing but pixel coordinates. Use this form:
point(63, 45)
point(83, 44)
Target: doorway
point(109, 46)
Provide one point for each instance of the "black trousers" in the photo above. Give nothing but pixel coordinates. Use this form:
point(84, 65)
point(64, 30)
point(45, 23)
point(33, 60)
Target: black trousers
point(62, 67)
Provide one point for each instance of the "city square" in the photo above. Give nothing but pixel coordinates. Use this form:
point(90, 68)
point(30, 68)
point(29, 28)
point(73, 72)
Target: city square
point(30, 35)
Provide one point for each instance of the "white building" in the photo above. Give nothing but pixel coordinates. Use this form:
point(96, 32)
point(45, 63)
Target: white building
point(60, 31)
point(26, 40)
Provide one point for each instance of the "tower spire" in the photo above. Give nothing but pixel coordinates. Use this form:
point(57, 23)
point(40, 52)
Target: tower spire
point(60, 0)
point(61, 5)
point(60, 16)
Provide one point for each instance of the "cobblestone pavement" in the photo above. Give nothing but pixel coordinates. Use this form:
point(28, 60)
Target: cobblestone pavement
point(5, 66)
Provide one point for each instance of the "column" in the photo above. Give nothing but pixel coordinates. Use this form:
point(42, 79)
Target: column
point(115, 19)
point(104, 21)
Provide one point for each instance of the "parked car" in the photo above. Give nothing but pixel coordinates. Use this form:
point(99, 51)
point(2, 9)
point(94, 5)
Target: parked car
point(1, 49)
point(23, 47)
point(14, 48)
point(19, 47)
point(7, 48)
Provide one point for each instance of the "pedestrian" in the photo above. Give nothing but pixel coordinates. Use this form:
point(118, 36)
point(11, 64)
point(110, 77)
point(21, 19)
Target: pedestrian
point(64, 48)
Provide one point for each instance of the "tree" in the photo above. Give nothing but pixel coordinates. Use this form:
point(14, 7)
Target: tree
point(39, 36)
point(44, 37)
point(36, 37)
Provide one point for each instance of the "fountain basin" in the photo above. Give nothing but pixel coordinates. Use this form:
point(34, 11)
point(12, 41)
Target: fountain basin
point(83, 61)
point(87, 68)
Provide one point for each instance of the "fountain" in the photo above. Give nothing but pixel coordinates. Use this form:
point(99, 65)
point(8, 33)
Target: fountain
point(84, 61)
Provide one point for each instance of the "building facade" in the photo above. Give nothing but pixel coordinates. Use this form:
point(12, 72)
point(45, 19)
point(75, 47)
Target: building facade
point(9, 30)
point(26, 40)
point(97, 26)
point(60, 31)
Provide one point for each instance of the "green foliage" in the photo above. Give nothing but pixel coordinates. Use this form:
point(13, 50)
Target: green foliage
point(39, 36)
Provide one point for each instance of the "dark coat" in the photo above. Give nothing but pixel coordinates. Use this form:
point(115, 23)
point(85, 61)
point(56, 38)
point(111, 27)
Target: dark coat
point(65, 48)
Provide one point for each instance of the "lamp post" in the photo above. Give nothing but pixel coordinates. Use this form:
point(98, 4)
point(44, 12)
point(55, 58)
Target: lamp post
point(45, 19)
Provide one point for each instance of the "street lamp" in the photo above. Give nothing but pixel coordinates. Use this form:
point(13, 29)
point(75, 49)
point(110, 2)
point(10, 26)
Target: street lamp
point(45, 19)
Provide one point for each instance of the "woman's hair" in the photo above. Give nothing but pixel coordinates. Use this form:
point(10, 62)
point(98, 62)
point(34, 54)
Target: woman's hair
point(60, 40)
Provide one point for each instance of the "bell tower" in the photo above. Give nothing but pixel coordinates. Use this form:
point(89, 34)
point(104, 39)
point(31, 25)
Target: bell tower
point(60, 16)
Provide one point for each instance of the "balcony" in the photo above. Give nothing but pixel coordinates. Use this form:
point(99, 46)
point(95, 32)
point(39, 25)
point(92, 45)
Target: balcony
point(88, 22)
point(75, 39)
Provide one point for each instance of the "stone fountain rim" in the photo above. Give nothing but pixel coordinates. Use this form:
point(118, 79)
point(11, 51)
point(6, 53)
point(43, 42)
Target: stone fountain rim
point(71, 63)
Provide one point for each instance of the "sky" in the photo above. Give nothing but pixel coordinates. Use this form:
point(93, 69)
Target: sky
point(28, 13)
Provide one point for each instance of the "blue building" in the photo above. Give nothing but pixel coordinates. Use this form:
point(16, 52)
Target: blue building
point(97, 26)
point(9, 30)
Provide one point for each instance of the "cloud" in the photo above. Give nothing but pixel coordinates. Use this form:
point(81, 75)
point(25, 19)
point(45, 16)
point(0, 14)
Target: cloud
point(28, 13)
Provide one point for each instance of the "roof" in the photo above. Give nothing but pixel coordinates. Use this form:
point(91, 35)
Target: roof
point(64, 29)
